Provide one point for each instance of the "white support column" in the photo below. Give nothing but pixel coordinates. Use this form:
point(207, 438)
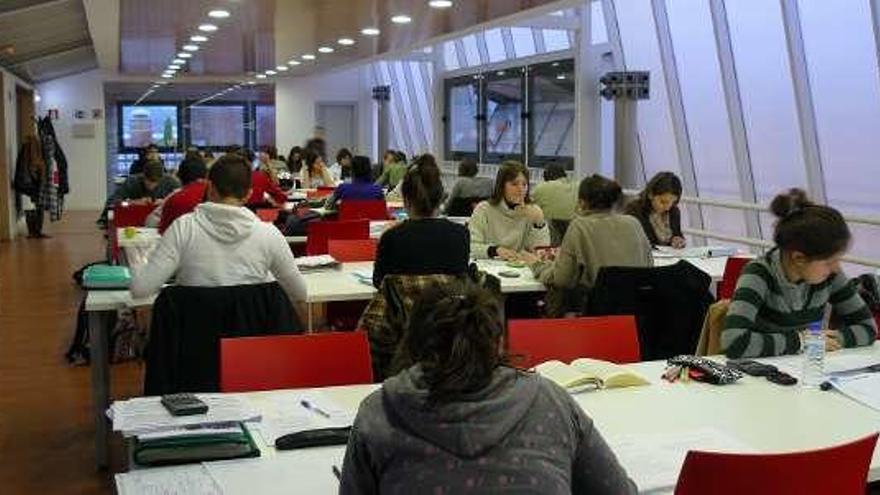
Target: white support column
point(875, 24)
point(588, 139)
point(509, 49)
point(438, 100)
point(676, 109)
point(736, 119)
point(800, 76)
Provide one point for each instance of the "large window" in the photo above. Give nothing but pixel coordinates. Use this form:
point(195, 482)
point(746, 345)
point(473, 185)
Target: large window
point(264, 125)
point(521, 113)
point(142, 125)
point(217, 126)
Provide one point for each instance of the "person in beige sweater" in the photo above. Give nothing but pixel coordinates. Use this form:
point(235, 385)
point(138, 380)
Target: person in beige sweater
point(508, 226)
point(597, 237)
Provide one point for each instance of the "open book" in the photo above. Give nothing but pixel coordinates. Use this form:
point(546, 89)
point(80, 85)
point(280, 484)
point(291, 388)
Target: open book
point(589, 373)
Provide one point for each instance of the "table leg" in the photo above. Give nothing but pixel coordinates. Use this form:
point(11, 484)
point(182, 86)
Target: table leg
point(310, 324)
point(100, 363)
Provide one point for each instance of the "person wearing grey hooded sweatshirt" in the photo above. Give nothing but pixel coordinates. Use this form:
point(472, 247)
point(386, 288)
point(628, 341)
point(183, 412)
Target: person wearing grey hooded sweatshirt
point(221, 243)
point(458, 420)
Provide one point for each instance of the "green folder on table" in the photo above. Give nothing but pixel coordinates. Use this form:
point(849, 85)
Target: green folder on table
point(106, 277)
point(198, 444)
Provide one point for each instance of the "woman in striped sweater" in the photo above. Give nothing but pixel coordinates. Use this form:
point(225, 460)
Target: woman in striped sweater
point(782, 292)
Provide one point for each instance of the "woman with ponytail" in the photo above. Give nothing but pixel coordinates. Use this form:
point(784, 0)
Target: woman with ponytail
point(424, 243)
point(458, 419)
point(779, 294)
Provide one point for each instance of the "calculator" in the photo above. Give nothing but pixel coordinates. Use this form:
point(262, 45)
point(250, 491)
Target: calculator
point(184, 404)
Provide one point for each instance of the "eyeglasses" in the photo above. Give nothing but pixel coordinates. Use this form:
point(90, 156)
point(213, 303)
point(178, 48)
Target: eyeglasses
point(768, 371)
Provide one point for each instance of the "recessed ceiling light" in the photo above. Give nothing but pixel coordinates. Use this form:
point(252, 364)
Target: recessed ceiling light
point(261, 76)
point(345, 41)
point(207, 28)
point(561, 77)
point(167, 76)
point(294, 62)
point(401, 19)
point(308, 56)
point(270, 72)
point(251, 83)
point(191, 48)
point(326, 49)
point(198, 38)
point(174, 66)
point(219, 14)
point(370, 31)
point(184, 55)
point(440, 4)
point(282, 68)
point(178, 61)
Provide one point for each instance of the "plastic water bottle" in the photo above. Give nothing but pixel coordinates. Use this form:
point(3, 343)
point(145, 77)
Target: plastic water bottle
point(814, 356)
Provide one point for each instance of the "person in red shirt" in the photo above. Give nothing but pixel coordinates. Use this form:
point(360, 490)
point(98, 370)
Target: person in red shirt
point(263, 184)
point(192, 173)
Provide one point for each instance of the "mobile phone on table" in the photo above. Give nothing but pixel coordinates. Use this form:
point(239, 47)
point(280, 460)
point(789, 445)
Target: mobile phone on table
point(184, 404)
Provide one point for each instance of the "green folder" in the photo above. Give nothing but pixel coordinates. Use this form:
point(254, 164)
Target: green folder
point(107, 277)
point(195, 448)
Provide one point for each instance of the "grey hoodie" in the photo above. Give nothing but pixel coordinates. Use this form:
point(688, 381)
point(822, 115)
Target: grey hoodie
point(521, 434)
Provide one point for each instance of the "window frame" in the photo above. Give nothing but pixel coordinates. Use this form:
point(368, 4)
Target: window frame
point(246, 113)
point(448, 85)
point(122, 149)
point(541, 161)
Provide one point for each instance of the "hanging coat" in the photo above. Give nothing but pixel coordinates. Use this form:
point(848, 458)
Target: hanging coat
point(30, 168)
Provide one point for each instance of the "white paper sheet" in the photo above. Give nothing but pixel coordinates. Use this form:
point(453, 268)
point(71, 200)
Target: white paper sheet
point(307, 471)
point(181, 480)
point(146, 414)
point(864, 388)
point(285, 414)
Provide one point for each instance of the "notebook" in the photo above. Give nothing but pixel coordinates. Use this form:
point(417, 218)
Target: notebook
point(585, 373)
point(106, 277)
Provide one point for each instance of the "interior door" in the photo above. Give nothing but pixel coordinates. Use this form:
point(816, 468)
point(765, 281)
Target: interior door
point(339, 121)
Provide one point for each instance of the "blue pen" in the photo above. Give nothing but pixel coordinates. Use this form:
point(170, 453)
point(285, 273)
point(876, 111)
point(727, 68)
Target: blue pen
point(308, 405)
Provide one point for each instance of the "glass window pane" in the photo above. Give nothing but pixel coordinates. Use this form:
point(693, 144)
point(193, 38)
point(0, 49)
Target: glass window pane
point(597, 24)
point(504, 108)
point(495, 43)
point(699, 75)
point(555, 40)
point(450, 59)
point(472, 54)
point(552, 110)
point(265, 125)
point(523, 42)
point(462, 128)
point(842, 64)
point(423, 111)
point(403, 107)
point(217, 125)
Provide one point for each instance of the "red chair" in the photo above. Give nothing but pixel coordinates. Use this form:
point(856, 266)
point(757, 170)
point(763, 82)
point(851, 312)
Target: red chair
point(268, 215)
point(347, 251)
point(294, 361)
point(318, 194)
point(839, 469)
point(732, 269)
point(126, 214)
point(320, 232)
point(610, 338)
point(371, 209)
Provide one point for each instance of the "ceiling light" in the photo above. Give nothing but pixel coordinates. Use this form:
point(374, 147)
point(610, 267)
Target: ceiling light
point(198, 38)
point(174, 66)
point(207, 28)
point(294, 62)
point(270, 72)
point(191, 48)
point(345, 41)
point(401, 19)
point(167, 76)
point(219, 14)
point(308, 56)
point(326, 49)
point(440, 4)
point(37, 97)
point(261, 76)
point(282, 68)
point(184, 55)
point(561, 77)
point(370, 31)
point(178, 61)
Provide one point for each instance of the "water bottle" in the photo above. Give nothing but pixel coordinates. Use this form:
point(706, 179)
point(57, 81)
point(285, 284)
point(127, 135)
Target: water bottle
point(814, 356)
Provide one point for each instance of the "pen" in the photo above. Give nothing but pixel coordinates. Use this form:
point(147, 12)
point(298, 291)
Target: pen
point(336, 472)
point(308, 405)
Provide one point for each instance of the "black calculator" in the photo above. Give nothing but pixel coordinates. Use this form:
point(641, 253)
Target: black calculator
point(184, 404)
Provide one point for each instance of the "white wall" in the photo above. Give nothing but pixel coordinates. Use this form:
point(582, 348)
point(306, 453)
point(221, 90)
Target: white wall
point(86, 157)
point(296, 99)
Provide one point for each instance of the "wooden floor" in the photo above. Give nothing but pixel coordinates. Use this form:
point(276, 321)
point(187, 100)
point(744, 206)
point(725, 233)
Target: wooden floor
point(46, 426)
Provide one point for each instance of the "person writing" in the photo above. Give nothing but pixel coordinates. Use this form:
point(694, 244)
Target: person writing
point(459, 419)
point(781, 293)
point(656, 208)
point(507, 225)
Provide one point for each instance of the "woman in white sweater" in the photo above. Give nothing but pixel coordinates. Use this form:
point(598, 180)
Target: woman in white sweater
point(508, 224)
point(221, 243)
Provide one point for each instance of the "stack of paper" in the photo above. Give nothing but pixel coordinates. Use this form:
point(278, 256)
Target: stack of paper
point(695, 252)
point(863, 388)
point(143, 415)
point(183, 480)
point(306, 263)
point(363, 276)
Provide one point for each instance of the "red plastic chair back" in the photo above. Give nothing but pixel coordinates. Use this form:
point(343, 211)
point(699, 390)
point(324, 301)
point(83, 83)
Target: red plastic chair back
point(347, 251)
point(732, 269)
point(126, 214)
point(320, 193)
point(371, 209)
point(320, 232)
point(609, 338)
point(838, 469)
point(294, 361)
point(268, 215)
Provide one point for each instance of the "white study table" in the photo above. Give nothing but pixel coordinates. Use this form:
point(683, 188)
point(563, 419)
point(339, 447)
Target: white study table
point(765, 417)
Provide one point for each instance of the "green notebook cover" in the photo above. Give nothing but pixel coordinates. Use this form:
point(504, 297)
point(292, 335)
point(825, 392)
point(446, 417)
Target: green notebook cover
point(107, 276)
point(195, 448)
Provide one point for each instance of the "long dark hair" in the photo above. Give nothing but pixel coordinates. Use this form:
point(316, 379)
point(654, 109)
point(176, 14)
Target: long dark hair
point(508, 172)
point(661, 183)
point(294, 159)
point(310, 158)
point(817, 231)
point(422, 188)
point(454, 333)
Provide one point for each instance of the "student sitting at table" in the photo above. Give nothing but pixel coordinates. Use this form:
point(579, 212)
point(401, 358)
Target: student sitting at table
point(266, 191)
point(657, 210)
point(314, 172)
point(221, 243)
point(557, 197)
point(782, 292)
point(149, 187)
point(598, 236)
point(467, 190)
point(341, 170)
point(192, 173)
point(508, 224)
point(393, 169)
point(459, 419)
point(361, 186)
point(424, 243)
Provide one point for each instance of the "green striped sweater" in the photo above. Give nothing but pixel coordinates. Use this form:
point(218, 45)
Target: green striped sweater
point(768, 312)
